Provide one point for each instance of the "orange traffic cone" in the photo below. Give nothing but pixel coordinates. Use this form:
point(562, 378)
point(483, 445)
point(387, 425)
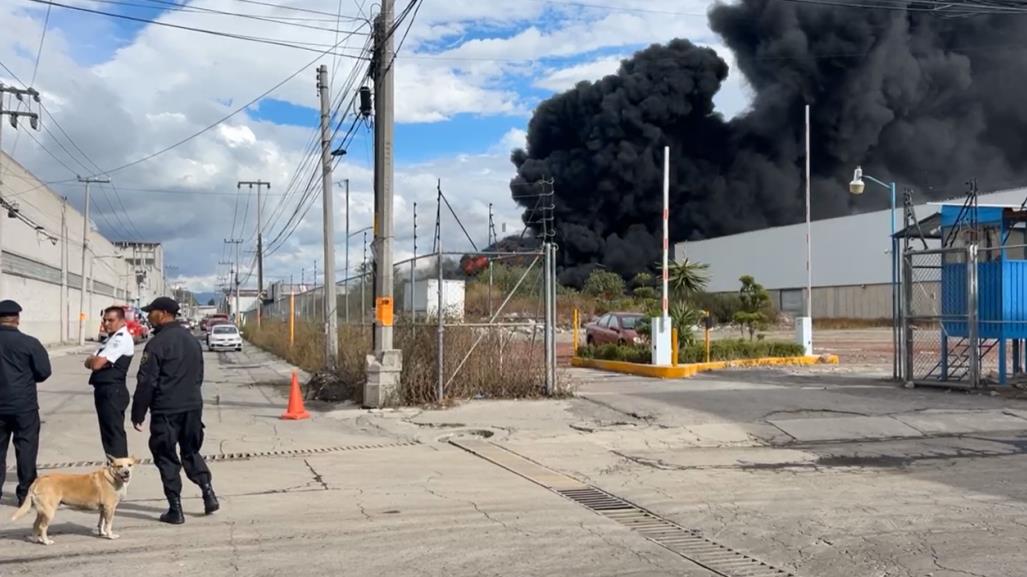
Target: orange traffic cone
point(295, 411)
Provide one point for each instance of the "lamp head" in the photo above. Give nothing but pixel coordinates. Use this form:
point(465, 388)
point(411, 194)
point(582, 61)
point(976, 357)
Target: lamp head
point(857, 186)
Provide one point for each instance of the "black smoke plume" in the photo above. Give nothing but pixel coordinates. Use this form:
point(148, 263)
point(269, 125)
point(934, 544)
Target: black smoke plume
point(912, 96)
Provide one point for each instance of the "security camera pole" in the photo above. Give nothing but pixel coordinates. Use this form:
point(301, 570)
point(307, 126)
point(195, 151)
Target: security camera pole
point(85, 249)
point(33, 117)
point(385, 365)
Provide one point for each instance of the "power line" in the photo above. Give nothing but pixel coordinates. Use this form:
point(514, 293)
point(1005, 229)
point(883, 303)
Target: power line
point(220, 120)
point(307, 46)
point(191, 9)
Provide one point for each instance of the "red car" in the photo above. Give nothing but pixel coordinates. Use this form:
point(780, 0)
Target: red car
point(613, 328)
point(135, 321)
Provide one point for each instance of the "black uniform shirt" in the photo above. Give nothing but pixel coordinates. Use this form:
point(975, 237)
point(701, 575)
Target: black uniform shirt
point(23, 363)
point(170, 374)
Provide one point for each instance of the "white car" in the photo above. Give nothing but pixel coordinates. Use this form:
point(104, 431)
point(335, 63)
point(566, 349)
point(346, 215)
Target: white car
point(224, 337)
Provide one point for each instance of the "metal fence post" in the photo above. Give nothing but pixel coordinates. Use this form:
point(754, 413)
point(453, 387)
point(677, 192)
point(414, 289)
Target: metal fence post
point(971, 315)
point(547, 331)
point(907, 310)
point(441, 328)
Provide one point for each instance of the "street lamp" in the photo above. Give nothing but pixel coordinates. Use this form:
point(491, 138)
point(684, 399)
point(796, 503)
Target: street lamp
point(857, 187)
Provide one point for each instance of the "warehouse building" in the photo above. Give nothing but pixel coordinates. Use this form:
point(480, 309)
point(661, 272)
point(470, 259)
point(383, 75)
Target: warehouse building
point(41, 240)
point(851, 261)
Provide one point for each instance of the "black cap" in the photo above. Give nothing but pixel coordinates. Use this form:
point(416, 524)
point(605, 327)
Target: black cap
point(166, 304)
point(9, 308)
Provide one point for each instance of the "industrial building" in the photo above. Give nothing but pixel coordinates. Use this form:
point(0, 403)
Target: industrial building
point(851, 264)
point(147, 261)
point(41, 240)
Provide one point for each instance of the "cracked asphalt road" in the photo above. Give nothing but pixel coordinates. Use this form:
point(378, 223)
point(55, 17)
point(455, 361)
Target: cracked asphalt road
point(426, 509)
point(823, 473)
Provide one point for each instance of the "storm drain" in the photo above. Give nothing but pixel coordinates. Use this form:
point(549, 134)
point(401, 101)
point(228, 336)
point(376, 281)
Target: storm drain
point(688, 543)
point(224, 457)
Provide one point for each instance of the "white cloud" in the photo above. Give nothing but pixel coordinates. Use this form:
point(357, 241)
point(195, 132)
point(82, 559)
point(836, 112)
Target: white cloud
point(163, 85)
point(565, 78)
point(235, 136)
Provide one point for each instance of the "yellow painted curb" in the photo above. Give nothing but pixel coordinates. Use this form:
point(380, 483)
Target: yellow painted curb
point(691, 369)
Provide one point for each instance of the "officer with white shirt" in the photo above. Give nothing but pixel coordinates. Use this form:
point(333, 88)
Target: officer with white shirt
point(110, 393)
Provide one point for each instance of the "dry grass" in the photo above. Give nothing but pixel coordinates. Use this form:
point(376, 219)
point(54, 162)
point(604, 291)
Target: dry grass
point(504, 365)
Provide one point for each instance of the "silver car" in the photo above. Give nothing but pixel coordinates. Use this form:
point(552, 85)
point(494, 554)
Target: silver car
point(224, 337)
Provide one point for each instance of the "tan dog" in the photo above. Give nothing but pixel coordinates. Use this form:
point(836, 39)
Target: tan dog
point(100, 490)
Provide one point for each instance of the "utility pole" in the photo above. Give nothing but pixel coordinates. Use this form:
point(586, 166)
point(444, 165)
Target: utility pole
point(238, 312)
point(331, 325)
point(346, 274)
point(13, 115)
point(386, 364)
point(260, 241)
point(85, 248)
point(64, 269)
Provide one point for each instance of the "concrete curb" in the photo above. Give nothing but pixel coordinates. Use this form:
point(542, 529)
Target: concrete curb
point(692, 369)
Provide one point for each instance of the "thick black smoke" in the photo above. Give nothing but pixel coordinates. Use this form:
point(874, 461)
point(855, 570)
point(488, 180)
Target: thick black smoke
point(913, 97)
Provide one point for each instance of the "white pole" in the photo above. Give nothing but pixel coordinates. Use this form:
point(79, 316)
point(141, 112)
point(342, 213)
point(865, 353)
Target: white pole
point(666, 231)
point(809, 229)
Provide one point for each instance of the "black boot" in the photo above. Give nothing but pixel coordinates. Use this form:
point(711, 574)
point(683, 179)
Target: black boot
point(174, 515)
point(210, 500)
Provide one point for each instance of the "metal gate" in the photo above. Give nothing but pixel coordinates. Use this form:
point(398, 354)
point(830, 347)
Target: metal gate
point(939, 317)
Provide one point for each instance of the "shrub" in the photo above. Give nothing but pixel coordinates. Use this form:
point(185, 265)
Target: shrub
point(721, 306)
point(646, 293)
point(721, 350)
point(733, 349)
point(603, 283)
point(615, 352)
point(756, 311)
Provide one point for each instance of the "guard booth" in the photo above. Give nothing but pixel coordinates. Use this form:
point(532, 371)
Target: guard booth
point(964, 296)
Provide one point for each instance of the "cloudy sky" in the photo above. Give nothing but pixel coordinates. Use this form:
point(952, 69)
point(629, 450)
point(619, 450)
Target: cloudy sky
point(467, 78)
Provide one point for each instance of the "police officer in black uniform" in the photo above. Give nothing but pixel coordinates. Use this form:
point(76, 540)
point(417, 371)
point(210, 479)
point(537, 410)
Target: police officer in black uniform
point(109, 368)
point(168, 385)
point(23, 364)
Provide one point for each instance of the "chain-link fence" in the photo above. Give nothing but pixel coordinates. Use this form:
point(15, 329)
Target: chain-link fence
point(474, 323)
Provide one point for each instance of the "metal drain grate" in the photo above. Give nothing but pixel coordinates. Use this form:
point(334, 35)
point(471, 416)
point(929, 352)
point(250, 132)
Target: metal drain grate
point(687, 543)
point(240, 456)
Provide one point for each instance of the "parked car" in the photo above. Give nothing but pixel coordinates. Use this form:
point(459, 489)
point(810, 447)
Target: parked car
point(224, 337)
point(135, 321)
point(613, 328)
point(211, 320)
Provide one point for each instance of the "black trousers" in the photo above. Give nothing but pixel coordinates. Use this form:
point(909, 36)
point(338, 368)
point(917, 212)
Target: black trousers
point(24, 427)
point(184, 430)
point(111, 402)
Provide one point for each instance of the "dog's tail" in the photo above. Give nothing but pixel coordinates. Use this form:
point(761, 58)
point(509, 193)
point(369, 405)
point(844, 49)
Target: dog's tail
point(30, 500)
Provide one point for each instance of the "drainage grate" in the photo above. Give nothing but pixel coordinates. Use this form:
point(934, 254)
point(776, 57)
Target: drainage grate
point(688, 543)
point(240, 456)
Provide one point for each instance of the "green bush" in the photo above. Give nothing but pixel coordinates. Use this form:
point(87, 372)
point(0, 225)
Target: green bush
point(733, 349)
point(603, 283)
point(615, 352)
point(646, 293)
point(721, 350)
point(722, 306)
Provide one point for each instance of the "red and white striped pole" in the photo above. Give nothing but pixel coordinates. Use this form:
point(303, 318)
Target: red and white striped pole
point(666, 226)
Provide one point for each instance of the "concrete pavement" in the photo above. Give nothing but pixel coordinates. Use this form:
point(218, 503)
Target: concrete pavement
point(820, 472)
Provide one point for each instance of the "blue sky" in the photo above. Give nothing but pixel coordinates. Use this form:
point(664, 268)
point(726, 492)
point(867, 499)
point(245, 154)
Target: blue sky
point(468, 77)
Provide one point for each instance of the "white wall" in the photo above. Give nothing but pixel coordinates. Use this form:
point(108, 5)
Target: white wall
point(847, 251)
point(32, 262)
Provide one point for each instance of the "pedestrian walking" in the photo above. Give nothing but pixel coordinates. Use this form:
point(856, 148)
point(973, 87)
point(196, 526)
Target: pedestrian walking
point(109, 366)
point(23, 364)
point(168, 386)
